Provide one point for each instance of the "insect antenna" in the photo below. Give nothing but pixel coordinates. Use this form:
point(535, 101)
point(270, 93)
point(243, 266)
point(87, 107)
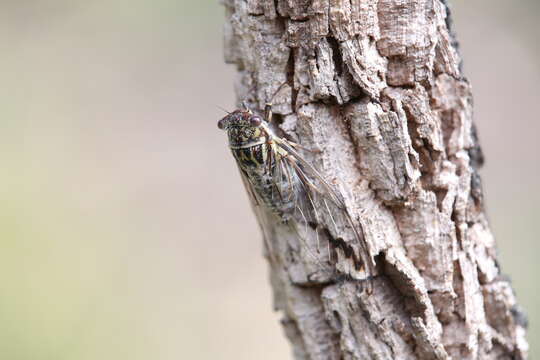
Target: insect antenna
point(222, 109)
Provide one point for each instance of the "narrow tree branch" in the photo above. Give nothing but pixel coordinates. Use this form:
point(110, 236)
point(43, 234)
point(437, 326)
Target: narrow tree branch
point(376, 86)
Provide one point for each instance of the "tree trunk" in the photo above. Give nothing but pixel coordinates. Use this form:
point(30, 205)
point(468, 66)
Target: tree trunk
point(376, 86)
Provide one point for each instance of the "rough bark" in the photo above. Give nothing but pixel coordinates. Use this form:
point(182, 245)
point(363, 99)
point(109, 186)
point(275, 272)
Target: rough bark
point(376, 86)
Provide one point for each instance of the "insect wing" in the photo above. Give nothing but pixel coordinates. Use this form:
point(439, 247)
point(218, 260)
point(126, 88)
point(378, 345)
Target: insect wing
point(322, 201)
point(249, 188)
point(261, 215)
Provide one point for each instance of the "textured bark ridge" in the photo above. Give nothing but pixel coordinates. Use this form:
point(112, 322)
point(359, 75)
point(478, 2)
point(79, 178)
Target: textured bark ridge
point(376, 86)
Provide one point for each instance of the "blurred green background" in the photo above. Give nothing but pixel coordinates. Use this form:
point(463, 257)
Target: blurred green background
point(124, 229)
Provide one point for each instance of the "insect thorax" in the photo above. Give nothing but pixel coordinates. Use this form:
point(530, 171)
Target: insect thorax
point(251, 158)
point(245, 136)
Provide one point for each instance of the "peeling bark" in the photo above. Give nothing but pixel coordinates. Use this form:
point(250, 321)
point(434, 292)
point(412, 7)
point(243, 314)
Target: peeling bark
point(376, 86)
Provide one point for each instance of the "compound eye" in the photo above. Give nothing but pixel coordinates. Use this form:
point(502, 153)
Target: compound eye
point(255, 121)
point(221, 124)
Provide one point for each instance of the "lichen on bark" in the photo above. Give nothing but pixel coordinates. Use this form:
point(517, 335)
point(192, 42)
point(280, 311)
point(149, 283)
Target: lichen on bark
point(376, 86)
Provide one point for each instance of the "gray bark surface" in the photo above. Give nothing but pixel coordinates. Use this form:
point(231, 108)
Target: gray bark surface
point(376, 86)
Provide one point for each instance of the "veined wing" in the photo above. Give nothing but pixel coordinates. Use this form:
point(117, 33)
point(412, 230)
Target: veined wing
point(255, 203)
point(322, 198)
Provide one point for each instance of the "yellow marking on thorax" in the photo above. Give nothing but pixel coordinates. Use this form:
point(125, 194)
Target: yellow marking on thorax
point(248, 145)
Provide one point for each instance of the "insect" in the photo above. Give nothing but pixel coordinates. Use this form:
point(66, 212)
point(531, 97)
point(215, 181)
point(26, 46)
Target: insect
point(278, 178)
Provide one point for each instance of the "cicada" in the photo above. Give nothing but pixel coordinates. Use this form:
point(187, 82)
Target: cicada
point(278, 178)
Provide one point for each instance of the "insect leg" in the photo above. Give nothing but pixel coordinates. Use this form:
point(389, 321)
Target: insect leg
point(269, 154)
point(268, 112)
point(268, 106)
point(270, 173)
point(279, 177)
